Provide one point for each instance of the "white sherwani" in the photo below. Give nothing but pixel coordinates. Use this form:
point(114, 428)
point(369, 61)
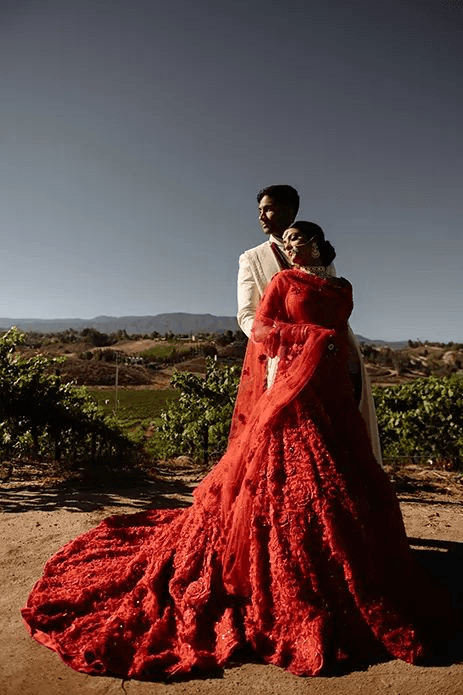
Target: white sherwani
point(257, 267)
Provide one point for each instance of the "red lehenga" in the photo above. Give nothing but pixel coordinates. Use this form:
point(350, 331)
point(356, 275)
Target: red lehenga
point(294, 547)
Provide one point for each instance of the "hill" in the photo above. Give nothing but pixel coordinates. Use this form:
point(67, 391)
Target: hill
point(134, 357)
point(393, 344)
point(386, 365)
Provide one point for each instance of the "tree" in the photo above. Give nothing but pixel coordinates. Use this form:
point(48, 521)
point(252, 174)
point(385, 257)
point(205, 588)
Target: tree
point(96, 338)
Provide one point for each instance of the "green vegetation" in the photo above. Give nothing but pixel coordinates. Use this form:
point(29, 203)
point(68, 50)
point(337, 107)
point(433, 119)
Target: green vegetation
point(137, 412)
point(167, 351)
point(172, 351)
point(48, 420)
point(418, 421)
point(133, 404)
point(422, 420)
point(43, 418)
point(88, 335)
point(197, 424)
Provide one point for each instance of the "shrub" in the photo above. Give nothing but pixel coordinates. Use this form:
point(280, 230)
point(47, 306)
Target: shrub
point(43, 418)
point(197, 424)
point(96, 338)
point(422, 419)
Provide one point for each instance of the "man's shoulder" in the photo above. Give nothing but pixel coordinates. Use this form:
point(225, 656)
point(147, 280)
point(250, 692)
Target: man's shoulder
point(263, 248)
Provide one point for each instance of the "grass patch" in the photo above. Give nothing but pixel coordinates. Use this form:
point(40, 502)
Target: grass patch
point(167, 351)
point(134, 405)
point(137, 410)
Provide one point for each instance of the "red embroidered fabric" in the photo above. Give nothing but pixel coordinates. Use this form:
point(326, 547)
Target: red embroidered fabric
point(294, 546)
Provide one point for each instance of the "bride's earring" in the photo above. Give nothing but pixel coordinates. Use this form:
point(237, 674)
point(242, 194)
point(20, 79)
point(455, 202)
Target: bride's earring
point(315, 252)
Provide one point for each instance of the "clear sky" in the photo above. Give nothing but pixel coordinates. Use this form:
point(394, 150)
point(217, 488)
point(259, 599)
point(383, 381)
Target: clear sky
point(135, 134)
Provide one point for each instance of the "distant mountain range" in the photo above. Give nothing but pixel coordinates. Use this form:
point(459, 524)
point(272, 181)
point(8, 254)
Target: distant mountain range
point(161, 323)
point(177, 323)
point(394, 344)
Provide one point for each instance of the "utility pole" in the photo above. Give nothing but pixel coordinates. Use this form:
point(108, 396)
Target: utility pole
point(116, 384)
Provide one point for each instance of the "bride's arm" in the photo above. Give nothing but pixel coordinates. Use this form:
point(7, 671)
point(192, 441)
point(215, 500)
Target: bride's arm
point(272, 326)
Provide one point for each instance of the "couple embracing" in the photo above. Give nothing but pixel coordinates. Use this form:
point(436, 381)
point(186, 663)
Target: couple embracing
point(278, 206)
point(294, 551)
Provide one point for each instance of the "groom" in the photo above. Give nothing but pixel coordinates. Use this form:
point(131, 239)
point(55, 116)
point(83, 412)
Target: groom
point(278, 207)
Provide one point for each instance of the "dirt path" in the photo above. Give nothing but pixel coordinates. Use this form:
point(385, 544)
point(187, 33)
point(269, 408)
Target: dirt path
point(36, 520)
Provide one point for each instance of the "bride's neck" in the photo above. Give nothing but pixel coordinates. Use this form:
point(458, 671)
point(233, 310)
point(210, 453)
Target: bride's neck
point(319, 270)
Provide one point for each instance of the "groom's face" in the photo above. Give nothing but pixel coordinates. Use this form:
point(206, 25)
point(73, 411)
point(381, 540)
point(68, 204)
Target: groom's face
point(274, 217)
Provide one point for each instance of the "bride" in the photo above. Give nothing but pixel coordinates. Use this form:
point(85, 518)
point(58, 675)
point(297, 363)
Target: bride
point(294, 548)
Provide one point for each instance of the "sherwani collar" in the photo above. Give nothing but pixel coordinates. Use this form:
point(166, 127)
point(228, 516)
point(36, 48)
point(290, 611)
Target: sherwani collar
point(278, 251)
point(274, 240)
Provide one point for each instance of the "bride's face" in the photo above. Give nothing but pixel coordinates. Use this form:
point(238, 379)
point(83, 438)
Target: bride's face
point(297, 247)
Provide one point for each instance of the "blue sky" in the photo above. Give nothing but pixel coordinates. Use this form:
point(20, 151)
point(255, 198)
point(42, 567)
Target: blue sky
point(134, 137)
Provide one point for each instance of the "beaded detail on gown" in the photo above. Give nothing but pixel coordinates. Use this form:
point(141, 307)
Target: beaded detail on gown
point(294, 546)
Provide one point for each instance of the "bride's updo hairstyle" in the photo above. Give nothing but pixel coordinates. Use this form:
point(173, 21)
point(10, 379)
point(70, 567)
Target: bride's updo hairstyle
point(313, 232)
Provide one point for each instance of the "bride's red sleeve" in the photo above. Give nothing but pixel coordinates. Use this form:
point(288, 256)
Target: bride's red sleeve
point(272, 334)
point(272, 327)
point(253, 381)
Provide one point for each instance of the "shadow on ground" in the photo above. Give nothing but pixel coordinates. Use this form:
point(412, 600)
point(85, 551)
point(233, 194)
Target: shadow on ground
point(168, 489)
point(443, 560)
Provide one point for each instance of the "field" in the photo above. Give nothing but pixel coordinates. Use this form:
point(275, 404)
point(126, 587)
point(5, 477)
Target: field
point(166, 351)
point(135, 410)
point(133, 406)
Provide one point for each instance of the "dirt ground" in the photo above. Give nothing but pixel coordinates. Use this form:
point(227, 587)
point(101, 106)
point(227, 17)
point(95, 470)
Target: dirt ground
point(36, 519)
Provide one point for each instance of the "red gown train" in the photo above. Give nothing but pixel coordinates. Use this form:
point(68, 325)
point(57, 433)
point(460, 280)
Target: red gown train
point(294, 547)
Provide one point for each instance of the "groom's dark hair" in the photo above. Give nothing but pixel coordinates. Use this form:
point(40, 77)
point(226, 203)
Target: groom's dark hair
point(283, 194)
